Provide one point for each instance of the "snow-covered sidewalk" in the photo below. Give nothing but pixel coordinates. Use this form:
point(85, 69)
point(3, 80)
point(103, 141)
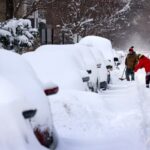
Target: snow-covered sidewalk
point(118, 118)
point(128, 126)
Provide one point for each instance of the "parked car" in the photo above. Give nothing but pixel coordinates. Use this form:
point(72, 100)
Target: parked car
point(19, 73)
point(102, 44)
point(95, 65)
point(16, 131)
point(102, 69)
point(105, 47)
point(60, 63)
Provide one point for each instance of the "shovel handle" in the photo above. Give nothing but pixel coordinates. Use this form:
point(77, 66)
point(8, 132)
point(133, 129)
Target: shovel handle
point(123, 72)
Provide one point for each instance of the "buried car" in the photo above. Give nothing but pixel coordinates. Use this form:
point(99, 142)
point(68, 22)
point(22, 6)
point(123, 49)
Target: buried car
point(95, 66)
point(104, 46)
point(16, 132)
point(17, 71)
point(60, 63)
point(66, 65)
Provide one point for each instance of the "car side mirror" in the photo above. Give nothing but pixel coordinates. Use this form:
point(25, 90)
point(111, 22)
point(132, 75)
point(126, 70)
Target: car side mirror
point(28, 114)
point(109, 67)
point(50, 88)
point(85, 79)
point(116, 59)
point(118, 64)
point(89, 71)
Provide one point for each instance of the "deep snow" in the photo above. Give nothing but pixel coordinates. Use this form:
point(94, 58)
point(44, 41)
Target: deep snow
point(117, 119)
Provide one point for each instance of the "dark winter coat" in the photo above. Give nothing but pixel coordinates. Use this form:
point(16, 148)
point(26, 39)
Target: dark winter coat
point(144, 62)
point(131, 60)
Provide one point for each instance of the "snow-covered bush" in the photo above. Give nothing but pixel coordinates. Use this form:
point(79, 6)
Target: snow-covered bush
point(17, 35)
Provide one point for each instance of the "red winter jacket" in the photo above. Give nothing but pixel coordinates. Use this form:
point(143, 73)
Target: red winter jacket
point(144, 62)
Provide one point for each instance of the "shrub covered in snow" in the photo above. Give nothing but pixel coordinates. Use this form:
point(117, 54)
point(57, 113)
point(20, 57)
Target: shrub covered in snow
point(17, 34)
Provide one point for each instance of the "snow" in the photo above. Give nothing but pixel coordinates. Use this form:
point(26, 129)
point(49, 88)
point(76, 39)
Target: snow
point(20, 74)
point(49, 85)
point(92, 57)
point(16, 133)
point(99, 58)
point(118, 118)
point(13, 24)
point(18, 32)
point(86, 21)
point(5, 33)
point(61, 65)
point(100, 43)
point(76, 58)
point(125, 8)
point(5, 88)
point(23, 39)
point(115, 119)
point(21, 79)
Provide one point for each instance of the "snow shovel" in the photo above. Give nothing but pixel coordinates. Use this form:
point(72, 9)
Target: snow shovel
point(122, 75)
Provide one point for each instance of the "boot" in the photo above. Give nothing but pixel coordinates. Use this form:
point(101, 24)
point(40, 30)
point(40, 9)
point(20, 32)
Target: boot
point(147, 85)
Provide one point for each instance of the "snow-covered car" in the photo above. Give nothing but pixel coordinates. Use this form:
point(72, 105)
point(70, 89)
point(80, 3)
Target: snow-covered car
point(105, 47)
point(19, 73)
point(16, 131)
point(102, 44)
point(60, 63)
point(95, 65)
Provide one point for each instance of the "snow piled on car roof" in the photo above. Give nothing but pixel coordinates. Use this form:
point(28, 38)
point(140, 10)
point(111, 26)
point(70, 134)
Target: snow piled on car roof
point(58, 63)
point(103, 44)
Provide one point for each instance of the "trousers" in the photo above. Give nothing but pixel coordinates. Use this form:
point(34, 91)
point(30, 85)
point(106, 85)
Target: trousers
point(129, 74)
point(147, 79)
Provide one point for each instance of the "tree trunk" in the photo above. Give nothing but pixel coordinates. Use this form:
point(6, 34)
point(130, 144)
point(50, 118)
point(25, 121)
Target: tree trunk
point(9, 9)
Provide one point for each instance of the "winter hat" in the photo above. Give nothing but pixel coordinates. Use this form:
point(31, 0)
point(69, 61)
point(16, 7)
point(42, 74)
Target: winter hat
point(131, 49)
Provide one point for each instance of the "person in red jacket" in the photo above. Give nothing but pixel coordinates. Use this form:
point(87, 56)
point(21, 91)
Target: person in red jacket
point(144, 62)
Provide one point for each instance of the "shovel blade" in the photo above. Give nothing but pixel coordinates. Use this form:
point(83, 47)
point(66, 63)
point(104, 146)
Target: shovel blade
point(122, 79)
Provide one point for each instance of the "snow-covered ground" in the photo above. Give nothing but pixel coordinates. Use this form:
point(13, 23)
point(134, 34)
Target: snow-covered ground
point(115, 119)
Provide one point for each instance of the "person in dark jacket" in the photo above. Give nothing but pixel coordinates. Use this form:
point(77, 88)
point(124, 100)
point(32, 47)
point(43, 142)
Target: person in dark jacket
point(144, 62)
point(130, 62)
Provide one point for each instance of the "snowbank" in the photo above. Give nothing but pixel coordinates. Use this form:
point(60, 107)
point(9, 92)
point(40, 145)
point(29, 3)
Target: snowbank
point(86, 121)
